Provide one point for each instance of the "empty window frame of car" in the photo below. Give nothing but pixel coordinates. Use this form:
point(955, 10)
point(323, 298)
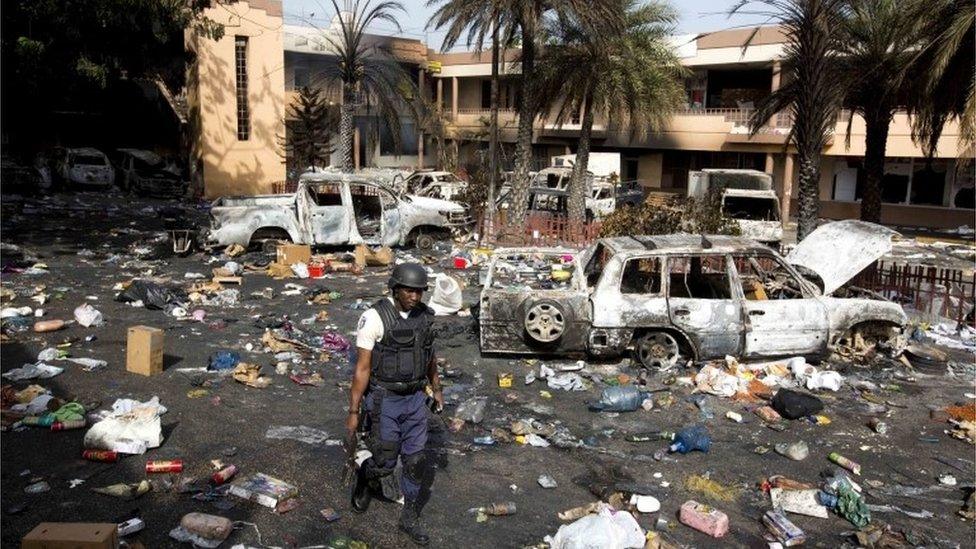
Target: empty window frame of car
point(752, 208)
point(642, 275)
point(699, 277)
point(765, 277)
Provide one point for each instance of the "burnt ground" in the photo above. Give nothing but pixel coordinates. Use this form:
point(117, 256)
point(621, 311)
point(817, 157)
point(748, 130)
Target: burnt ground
point(77, 237)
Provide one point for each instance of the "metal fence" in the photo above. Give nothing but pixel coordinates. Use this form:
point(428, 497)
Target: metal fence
point(930, 292)
point(540, 230)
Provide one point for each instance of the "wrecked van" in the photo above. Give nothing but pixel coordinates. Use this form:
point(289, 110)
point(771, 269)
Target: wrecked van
point(336, 209)
point(673, 298)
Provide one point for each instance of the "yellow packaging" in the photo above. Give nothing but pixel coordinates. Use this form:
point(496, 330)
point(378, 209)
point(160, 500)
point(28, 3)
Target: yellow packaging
point(505, 381)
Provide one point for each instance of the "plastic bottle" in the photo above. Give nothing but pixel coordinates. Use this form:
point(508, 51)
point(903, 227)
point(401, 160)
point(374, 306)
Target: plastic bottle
point(851, 466)
point(48, 325)
point(500, 509)
point(691, 439)
point(45, 420)
point(106, 456)
point(652, 435)
point(622, 398)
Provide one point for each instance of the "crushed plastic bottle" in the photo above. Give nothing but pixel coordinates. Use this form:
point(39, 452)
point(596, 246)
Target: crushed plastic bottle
point(622, 398)
point(691, 439)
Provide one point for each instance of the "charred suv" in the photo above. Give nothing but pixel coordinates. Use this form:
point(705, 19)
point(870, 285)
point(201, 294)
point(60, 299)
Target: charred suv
point(678, 297)
point(336, 209)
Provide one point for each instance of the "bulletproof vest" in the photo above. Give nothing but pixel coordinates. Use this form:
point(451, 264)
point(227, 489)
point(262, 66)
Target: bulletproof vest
point(400, 358)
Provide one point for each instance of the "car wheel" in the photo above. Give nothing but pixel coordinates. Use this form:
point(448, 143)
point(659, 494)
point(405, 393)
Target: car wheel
point(545, 322)
point(657, 350)
point(424, 241)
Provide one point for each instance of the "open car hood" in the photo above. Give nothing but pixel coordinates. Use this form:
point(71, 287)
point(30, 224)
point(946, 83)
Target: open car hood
point(837, 251)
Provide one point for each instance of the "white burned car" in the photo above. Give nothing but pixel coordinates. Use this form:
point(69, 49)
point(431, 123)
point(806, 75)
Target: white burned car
point(677, 297)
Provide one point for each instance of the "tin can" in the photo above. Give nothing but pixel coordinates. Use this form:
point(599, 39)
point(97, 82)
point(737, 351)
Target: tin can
point(223, 475)
point(851, 466)
point(878, 426)
point(106, 456)
point(68, 425)
point(505, 380)
point(164, 466)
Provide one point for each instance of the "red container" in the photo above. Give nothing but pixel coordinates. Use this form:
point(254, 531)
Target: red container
point(107, 456)
point(164, 466)
point(461, 263)
point(223, 475)
point(68, 425)
point(316, 270)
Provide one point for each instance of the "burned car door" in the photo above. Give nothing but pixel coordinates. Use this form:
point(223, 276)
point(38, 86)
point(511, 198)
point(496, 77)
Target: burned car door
point(782, 316)
point(392, 229)
point(328, 213)
point(702, 305)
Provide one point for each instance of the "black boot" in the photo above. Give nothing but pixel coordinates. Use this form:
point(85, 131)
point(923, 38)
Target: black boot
point(361, 494)
point(410, 524)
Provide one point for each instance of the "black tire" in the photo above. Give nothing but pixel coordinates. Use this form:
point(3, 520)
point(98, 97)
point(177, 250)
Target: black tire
point(425, 241)
point(545, 321)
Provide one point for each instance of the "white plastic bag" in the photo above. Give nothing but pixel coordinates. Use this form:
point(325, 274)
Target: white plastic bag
point(447, 296)
point(88, 316)
point(825, 380)
point(130, 428)
point(607, 529)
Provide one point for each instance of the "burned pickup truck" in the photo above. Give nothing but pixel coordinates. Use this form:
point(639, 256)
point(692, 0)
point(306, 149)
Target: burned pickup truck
point(677, 297)
point(336, 209)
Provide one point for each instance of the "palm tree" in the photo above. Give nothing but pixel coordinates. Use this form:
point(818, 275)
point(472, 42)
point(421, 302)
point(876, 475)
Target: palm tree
point(529, 18)
point(475, 19)
point(629, 73)
point(878, 45)
point(810, 93)
point(367, 72)
point(946, 73)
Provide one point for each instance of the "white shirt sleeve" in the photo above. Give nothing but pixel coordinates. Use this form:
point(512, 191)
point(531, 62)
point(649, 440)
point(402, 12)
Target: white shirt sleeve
point(370, 329)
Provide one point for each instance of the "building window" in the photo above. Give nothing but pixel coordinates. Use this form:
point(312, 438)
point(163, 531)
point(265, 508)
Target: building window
point(928, 183)
point(243, 113)
point(301, 77)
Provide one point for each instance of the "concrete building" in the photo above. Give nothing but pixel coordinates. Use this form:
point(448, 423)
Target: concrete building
point(236, 100)
point(726, 81)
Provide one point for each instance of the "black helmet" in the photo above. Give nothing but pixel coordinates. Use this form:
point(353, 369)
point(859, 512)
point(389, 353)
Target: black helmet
point(410, 275)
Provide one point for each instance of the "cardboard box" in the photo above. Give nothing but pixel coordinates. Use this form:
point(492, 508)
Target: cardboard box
point(365, 256)
point(72, 535)
point(289, 254)
point(144, 350)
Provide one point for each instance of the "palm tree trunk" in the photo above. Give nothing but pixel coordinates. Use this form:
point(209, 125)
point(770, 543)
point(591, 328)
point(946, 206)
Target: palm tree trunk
point(523, 151)
point(577, 182)
point(493, 136)
point(808, 195)
point(876, 122)
point(347, 112)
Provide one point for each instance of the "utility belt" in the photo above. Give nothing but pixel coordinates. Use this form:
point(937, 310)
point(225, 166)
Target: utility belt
point(399, 388)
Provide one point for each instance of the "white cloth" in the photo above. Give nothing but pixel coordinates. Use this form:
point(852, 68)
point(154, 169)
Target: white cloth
point(370, 328)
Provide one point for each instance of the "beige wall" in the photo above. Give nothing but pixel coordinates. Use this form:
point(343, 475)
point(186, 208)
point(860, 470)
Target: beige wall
point(227, 165)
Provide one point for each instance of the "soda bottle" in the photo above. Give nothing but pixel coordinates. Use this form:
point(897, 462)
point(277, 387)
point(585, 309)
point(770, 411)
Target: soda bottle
point(500, 509)
point(107, 456)
point(68, 425)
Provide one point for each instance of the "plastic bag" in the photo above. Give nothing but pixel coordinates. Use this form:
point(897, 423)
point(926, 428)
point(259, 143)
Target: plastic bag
point(224, 360)
point(88, 316)
point(152, 296)
point(794, 404)
point(447, 296)
point(825, 380)
point(472, 410)
point(30, 371)
point(716, 382)
point(131, 428)
point(334, 341)
point(691, 439)
point(623, 398)
point(607, 529)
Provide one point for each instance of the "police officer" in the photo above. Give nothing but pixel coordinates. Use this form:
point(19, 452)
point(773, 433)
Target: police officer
point(395, 365)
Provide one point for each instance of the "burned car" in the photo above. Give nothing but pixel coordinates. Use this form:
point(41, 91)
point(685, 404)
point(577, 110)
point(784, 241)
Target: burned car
point(673, 298)
point(145, 172)
point(336, 209)
point(84, 167)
